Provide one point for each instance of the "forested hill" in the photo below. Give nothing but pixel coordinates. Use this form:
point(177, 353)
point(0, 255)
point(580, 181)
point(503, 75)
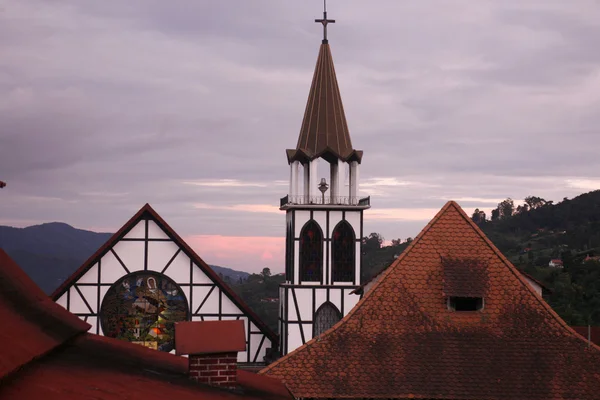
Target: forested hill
point(550, 230)
point(532, 234)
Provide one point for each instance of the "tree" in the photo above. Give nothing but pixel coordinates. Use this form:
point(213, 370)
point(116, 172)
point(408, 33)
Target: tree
point(266, 272)
point(396, 242)
point(530, 257)
point(534, 202)
point(506, 208)
point(478, 216)
point(495, 214)
point(372, 242)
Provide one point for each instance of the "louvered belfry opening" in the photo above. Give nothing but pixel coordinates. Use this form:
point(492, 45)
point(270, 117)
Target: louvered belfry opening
point(326, 316)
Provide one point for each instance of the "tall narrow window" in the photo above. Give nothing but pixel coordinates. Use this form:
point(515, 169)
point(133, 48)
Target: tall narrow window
point(343, 252)
point(311, 252)
point(326, 316)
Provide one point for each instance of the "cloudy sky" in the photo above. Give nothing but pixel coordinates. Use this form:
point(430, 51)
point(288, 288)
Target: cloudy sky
point(189, 105)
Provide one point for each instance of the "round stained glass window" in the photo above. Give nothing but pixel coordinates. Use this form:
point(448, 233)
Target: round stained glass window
point(143, 308)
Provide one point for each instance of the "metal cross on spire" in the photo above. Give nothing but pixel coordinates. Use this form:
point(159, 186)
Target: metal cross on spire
point(325, 21)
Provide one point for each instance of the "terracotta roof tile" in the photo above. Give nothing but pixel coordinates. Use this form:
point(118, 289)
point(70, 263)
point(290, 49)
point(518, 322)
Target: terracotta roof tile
point(402, 341)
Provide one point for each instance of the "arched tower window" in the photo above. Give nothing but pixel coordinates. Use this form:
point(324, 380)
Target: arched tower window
point(343, 252)
point(326, 316)
point(311, 252)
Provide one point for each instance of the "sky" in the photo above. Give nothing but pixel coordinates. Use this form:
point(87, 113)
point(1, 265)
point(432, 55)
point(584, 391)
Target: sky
point(189, 105)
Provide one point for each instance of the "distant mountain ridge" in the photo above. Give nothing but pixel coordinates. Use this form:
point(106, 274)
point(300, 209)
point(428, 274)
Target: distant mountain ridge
point(49, 253)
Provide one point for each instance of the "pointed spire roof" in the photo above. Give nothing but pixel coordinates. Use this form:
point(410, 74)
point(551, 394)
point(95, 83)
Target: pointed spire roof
point(324, 132)
point(402, 340)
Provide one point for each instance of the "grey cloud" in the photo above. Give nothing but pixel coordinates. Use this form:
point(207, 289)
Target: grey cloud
point(128, 100)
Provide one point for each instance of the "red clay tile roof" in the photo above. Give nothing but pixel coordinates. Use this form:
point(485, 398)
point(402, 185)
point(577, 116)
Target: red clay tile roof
point(148, 212)
point(206, 337)
point(46, 353)
point(324, 132)
point(97, 367)
point(262, 385)
point(464, 277)
point(32, 324)
point(401, 340)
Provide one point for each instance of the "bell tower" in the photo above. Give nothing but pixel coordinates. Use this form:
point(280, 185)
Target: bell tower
point(324, 214)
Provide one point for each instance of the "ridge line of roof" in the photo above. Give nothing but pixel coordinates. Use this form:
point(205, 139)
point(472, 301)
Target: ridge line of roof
point(307, 119)
point(42, 356)
point(87, 264)
point(317, 101)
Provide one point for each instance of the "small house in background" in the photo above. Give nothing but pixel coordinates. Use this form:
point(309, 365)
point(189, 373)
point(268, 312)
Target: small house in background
point(590, 259)
point(538, 286)
point(555, 263)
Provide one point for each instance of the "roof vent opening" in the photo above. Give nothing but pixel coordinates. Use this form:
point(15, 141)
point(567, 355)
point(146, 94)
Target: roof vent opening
point(465, 303)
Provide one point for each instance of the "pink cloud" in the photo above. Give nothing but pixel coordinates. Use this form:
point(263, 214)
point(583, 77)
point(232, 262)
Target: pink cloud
point(243, 253)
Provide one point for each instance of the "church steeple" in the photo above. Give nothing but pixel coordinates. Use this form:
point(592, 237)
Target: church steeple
point(324, 132)
point(324, 214)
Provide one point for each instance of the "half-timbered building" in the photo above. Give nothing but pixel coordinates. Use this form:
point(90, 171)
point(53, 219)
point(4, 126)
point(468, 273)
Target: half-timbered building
point(145, 279)
point(324, 221)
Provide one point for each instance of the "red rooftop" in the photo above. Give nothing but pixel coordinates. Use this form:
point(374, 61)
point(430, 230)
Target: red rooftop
point(48, 354)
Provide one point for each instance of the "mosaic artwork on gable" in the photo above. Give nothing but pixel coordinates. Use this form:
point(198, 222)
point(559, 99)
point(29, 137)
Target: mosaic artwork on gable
point(143, 308)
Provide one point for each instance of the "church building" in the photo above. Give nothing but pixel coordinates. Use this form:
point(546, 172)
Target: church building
point(451, 318)
point(145, 279)
point(324, 217)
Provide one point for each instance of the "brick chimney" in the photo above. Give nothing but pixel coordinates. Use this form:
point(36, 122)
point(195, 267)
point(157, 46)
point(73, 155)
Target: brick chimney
point(212, 348)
